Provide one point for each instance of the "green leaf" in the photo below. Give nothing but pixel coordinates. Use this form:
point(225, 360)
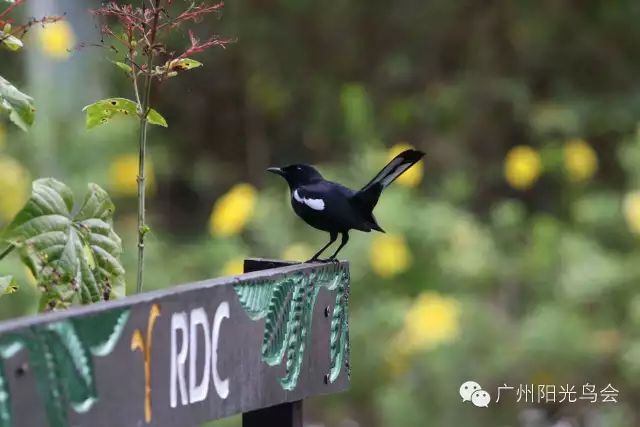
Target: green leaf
point(7, 285)
point(11, 42)
point(100, 112)
point(156, 118)
point(16, 104)
point(124, 67)
point(183, 64)
point(73, 257)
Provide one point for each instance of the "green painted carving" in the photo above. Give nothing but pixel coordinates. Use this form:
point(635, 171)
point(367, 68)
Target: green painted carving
point(287, 305)
point(8, 347)
point(61, 357)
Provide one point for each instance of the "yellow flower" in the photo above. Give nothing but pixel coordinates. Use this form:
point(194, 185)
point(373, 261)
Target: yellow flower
point(297, 252)
point(233, 267)
point(631, 208)
point(413, 176)
point(57, 39)
point(14, 187)
point(431, 321)
point(233, 210)
point(123, 175)
point(522, 167)
point(389, 255)
point(580, 160)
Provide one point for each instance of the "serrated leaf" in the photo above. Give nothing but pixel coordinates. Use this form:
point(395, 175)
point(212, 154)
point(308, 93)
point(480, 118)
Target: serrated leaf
point(102, 111)
point(7, 285)
point(11, 42)
point(16, 104)
point(69, 254)
point(183, 64)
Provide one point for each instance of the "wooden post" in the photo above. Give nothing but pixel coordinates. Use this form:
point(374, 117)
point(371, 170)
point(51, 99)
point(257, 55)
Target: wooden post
point(283, 415)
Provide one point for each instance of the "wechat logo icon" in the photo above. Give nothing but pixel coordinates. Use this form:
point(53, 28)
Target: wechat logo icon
point(470, 391)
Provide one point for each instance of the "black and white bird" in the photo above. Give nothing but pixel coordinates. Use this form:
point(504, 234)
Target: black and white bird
point(332, 207)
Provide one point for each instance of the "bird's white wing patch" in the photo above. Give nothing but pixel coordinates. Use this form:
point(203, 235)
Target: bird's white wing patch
point(315, 204)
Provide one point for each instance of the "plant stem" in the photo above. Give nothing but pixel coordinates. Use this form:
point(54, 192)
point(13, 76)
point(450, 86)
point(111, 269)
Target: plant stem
point(7, 251)
point(142, 143)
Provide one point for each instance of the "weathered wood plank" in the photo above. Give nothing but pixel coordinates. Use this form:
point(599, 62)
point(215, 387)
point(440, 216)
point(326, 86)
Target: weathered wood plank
point(181, 356)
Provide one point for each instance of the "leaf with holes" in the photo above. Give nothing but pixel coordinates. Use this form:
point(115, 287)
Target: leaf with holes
point(74, 257)
point(183, 64)
point(7, 285)
point(102, 111)
point(16, 104)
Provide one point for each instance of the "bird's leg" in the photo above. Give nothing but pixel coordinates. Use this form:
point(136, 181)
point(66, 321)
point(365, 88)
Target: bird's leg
point(345, 239)
point(333, 237)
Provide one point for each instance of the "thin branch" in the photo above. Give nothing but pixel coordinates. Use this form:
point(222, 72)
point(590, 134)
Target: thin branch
point(142, 226)
point(10, 8)
point(7, 251)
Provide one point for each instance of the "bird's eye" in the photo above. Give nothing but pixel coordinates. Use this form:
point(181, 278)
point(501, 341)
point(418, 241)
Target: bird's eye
point(298, 168)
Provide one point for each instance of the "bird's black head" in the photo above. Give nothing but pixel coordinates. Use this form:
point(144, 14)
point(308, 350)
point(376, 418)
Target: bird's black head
point(297, 175)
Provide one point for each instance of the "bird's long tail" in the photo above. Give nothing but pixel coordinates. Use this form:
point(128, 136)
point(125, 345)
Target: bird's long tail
point(395, 168)
point(368, 196)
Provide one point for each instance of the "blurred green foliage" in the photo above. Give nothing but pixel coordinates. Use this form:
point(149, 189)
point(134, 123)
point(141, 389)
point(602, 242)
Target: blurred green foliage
point(543, 277)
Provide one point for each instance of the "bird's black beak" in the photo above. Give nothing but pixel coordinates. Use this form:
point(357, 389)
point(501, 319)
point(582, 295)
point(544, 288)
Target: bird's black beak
point(277, 171)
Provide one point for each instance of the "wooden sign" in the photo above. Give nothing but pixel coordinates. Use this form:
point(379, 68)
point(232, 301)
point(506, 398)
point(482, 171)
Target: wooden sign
point(182, 356)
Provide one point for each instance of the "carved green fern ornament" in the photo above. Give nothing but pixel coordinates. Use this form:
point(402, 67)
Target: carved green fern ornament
point(287, 304)
point(61, 358)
